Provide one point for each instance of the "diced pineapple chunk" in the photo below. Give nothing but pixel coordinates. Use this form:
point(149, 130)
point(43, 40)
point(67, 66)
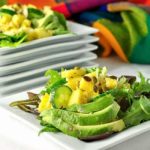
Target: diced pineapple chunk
point(36, 33)
point(111, 83)
point(41, 33)
point(45, 103)
point(92, 74)
point(86, 84)
point(76, 72)
point(78, 97)
point(5, 19)
point(31, 35)
point(81, 97)
point(26, 23)
point(11, 26)
point(18, 19)
point(73, 83)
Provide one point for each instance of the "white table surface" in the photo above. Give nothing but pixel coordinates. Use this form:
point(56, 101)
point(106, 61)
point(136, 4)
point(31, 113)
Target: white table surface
point(14, 135)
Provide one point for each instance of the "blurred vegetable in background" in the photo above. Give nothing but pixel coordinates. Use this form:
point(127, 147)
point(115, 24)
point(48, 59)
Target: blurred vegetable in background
point(113, 22)
point(23, 23)
point(130, 37)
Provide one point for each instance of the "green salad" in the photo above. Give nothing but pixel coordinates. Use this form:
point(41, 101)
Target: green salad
point(23, 23)
point(89, 104)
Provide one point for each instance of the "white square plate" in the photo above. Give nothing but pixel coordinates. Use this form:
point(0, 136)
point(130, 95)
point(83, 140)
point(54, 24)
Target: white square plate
point(39, 52)
point(41, 61)
point(68, 142)
point(77, 32)
point(40, 70)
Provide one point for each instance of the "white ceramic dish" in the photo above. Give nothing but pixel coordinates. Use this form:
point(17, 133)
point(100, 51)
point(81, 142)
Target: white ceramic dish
point(40, 71)
point(68, 142)
point(44, 51)
point(43, 61)
point(35, 81)
point(78, 31)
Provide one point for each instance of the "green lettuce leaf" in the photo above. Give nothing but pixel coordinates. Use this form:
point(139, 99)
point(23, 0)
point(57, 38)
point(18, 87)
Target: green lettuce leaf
point(48, 129)
point(141, 87)
point(12, 41)
point(139, 112)
point(55, 80)
point(62, 19)
point(53, 76)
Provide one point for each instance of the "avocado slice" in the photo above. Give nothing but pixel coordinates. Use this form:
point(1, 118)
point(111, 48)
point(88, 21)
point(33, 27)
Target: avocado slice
point(97, 105)
point(81, 132)
point(104, 116)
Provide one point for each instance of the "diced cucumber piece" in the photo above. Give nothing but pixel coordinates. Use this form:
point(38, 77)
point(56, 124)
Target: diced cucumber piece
point(60, 97)
point(34, 13)
point(7, 11)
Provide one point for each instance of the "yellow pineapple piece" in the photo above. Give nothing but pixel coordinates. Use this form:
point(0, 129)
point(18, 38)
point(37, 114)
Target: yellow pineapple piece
point(76, 72)
point(45, 103)
point(11, 26)
point(18, 19)
point(5, 19)
point(78, 97)
point(73, 83)
point(92, 74)
point(81, 97)
point(26, 23)
point(41, 33)
point(86, 84)
point(31, 35)
point(110, 83)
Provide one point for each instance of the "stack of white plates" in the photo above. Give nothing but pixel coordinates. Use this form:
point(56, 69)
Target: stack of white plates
point(23, 67)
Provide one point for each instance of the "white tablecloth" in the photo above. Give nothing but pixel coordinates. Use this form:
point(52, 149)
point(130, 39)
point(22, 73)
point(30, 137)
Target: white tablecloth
point(14, 135)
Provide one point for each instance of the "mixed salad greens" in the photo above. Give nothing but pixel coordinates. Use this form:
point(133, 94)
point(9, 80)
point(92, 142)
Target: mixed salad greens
point(88, 104)
point(22, 23)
